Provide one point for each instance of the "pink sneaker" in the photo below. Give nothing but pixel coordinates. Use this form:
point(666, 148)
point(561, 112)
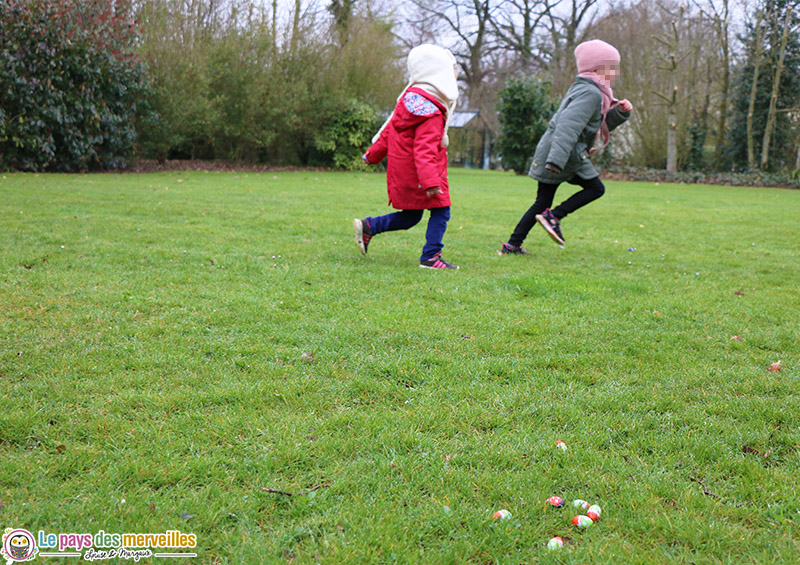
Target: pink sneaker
point(507, 249)
point(436, 262)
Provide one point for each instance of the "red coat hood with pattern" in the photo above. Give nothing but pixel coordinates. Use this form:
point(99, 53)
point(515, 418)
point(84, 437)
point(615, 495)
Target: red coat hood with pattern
point(416, 159)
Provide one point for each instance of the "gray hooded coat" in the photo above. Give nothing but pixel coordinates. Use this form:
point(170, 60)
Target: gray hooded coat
point(571, 133)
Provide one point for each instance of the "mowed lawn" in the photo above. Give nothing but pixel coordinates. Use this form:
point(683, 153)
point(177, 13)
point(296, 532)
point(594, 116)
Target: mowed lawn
point(171, 345)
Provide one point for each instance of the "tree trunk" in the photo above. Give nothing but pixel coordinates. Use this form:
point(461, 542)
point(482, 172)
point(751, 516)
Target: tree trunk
point(274, 24)
point(672, 136)
point(797, 158)
point(773, 100)
point(759, 48)
point(487, 149)
point(725, 87)
point(706, 102)
point(295, 27)
point(672, 63)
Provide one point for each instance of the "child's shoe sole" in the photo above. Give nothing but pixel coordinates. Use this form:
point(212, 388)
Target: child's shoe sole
point(358, 232)
point(549, 229)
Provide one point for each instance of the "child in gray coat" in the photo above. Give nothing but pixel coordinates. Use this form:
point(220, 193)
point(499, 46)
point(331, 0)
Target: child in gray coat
point(588, 112)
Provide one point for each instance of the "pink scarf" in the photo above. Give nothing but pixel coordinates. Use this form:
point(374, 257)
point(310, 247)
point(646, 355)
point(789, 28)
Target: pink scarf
point(608, 102)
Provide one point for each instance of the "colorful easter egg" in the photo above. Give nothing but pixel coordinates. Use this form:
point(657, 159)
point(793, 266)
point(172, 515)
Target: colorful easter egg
point(501, 515)
point(594, 512)
point(582, 504)
point(582, 521)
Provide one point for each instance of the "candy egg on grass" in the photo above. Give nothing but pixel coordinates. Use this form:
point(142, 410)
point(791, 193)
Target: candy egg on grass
point(555, 543)
point(582, 521)
point(561, 445)
point(581, 504)
point(556, 501)
point(501, 515)
point(594, 512)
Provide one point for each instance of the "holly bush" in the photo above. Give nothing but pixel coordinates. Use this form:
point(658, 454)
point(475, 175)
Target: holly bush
point(71, 85)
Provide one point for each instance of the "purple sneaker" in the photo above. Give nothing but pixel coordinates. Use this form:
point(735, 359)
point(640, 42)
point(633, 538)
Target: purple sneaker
point(507, 249)
point(552, 225)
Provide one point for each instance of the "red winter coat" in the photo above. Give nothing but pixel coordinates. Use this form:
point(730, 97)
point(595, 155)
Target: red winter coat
point(416, 159)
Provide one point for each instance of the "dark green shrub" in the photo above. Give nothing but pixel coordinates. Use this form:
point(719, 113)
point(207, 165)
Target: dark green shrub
point(697, 140)
point(525, 108)
point(71, 85)
point(345, 135)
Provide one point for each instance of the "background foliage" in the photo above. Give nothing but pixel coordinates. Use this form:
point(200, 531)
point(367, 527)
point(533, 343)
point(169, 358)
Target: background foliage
point(231, 87)
point(276, 82)
point(347, 130)
point(784, 152)
point(525, 108)
point(71, 85)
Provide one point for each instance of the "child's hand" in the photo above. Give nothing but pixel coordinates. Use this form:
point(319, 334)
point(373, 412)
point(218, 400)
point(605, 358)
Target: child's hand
point(431, 192)
point(625, 105)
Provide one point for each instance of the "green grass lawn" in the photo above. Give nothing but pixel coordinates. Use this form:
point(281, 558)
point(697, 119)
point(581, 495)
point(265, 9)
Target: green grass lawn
point(173, 344)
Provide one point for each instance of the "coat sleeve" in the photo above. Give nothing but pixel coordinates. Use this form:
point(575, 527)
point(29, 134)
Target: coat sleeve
point(572, 121)
point(616, 117)
point(378, 150)
point(427, 139)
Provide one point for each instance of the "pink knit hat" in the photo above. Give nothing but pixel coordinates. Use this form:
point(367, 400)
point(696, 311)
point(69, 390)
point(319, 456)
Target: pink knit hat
point(591, 55)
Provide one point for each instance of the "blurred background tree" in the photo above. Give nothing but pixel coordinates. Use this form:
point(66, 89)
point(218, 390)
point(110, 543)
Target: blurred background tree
point(298, 82)
point(767, 90)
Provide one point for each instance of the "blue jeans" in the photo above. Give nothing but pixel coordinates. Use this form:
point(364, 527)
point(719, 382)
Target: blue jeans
point(406, 219)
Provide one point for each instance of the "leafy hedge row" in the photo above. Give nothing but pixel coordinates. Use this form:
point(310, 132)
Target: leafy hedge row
point(70, 84)
point(777, 180)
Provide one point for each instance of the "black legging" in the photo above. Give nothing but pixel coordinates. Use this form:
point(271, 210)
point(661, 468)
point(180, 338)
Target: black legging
point(592, 190)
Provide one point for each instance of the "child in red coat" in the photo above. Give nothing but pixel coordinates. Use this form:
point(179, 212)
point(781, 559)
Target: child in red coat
point(414, 139)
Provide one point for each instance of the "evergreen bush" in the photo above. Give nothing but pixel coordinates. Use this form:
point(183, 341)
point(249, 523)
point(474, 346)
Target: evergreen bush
point(525, 108)
point(346, 133)
point(71, 85)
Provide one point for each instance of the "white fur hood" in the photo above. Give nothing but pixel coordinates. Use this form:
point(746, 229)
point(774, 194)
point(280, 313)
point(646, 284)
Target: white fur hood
point(433, 65)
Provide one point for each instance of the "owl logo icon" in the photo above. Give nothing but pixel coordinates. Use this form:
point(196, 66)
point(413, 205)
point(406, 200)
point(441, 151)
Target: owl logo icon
point(18, 545)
